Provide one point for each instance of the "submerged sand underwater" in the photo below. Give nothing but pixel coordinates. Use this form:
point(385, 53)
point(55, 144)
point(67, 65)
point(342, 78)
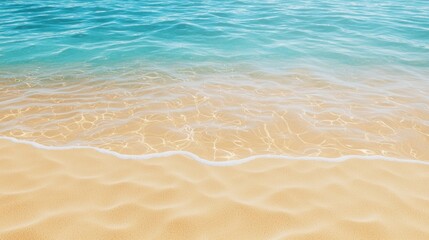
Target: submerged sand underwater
point(220, 117)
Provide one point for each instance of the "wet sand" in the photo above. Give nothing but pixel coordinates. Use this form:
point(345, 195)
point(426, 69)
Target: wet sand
point(84, 194)
point(221, 119)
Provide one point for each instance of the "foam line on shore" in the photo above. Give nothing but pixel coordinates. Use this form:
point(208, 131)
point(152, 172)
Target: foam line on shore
point(223, 163)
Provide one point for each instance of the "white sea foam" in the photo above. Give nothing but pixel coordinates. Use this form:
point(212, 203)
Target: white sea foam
point(223, 163)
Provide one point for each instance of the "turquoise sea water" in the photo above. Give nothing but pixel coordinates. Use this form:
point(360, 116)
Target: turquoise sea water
point(169, 32)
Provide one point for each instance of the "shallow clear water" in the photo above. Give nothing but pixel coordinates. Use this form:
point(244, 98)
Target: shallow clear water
point(222, 79)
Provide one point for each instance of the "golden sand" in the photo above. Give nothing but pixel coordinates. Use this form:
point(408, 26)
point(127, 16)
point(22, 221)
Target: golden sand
point(84, 194)
point(87, 194)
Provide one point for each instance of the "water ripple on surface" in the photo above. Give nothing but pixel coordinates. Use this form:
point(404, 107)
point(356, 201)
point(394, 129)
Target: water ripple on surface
point(340, 32)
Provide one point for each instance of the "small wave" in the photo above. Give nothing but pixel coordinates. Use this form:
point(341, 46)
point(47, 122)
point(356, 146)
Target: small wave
point(224, 163)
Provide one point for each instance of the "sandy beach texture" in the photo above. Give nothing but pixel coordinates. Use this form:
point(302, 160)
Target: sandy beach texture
point(84, 194)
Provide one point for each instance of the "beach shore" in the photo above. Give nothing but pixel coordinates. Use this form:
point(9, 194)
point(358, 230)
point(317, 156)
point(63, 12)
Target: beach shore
point(84, 194)
point(198, 120)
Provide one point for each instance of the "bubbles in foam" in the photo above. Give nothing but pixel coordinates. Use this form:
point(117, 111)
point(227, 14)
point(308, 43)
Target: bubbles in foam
point(224, 163)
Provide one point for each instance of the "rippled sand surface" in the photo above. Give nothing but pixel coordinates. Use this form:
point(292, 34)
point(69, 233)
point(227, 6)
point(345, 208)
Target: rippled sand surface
point(83, 194)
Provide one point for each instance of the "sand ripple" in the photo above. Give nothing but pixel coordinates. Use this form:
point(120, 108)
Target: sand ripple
point(83, 194)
